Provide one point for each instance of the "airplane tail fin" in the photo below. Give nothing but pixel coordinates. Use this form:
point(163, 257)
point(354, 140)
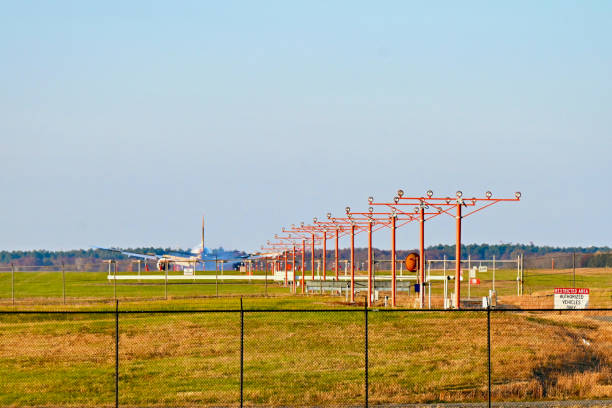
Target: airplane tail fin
point(200, 249)
point(202, 253)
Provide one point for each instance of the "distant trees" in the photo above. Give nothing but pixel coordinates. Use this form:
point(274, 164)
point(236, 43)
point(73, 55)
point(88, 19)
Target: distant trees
point(586, 256)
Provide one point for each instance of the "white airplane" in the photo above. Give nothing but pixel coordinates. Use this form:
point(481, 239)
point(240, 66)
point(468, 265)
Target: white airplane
point(199, 255)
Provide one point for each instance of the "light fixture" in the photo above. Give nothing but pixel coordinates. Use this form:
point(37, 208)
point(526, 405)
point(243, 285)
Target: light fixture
point(275, 236)
point(370, 199)
point(429, 193)
point(328, 215)
point(488, 194)
point(348, 209)
point(371, 209)
point(302, 224)
point(314, 219)
point(459, 194)
point(393, 213)
point(396, 199)
point(416, 209)
point(517, 194)
point(400, 192)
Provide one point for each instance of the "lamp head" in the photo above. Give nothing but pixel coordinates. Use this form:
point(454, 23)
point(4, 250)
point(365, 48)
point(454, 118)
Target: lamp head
point(400, 193)
point(517, 194)
point(429, 193)
point(370, 199)
point(459, 194)
point(488, 194)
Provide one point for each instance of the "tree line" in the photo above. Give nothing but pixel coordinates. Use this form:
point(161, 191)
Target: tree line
point(586, 256)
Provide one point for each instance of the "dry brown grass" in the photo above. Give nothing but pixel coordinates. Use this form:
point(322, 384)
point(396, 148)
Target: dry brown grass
point(309, 358)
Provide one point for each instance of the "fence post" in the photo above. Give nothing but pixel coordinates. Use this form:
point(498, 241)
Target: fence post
point(116, 354)
point(366, 353)
point(489, 351)
point(241, 354)
point(493, 272)
point(64, 282)
point(114, 280)
point(266, 282)
point(574, 267)
point(13, 283)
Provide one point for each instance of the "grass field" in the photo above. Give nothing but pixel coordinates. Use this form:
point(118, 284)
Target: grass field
point(292, 357)
point(41, 288)
point(302, 358)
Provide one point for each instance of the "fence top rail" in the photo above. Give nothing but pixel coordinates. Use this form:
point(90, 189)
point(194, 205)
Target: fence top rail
point(355, 310)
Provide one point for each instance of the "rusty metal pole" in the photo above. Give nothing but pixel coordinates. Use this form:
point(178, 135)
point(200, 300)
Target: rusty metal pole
point(352, 263)
point(312, 249)
point(293, 267)
point(337, 238)
point(324, 263)
point(370, 289)
point(303, 264)
point(422, 257)
point(286, 268)
point(393, 255)
point(458, 258)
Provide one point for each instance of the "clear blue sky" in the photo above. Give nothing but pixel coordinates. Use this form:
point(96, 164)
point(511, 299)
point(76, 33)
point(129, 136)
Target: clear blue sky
point(123, 122)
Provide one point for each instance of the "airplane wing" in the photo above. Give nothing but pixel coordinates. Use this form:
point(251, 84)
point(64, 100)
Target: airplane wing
point(222, 257)
point(130, 254)
point(263, 255)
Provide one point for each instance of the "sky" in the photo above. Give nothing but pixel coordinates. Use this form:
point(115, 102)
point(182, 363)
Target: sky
point(122, 123)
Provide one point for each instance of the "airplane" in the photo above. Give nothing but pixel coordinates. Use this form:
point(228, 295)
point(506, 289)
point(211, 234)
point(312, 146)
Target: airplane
point(198, 255)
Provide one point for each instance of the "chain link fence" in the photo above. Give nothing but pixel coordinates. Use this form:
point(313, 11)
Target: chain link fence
point(336, 357)
point(52, 284)
point(521, 282)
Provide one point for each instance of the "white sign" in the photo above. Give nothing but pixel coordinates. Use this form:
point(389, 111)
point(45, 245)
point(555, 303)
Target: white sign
point(571, 298)
point(482, 268)
point(473, 272)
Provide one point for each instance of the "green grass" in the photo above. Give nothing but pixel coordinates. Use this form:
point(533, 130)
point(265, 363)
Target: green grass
point(48, 287)
point(82, 288)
